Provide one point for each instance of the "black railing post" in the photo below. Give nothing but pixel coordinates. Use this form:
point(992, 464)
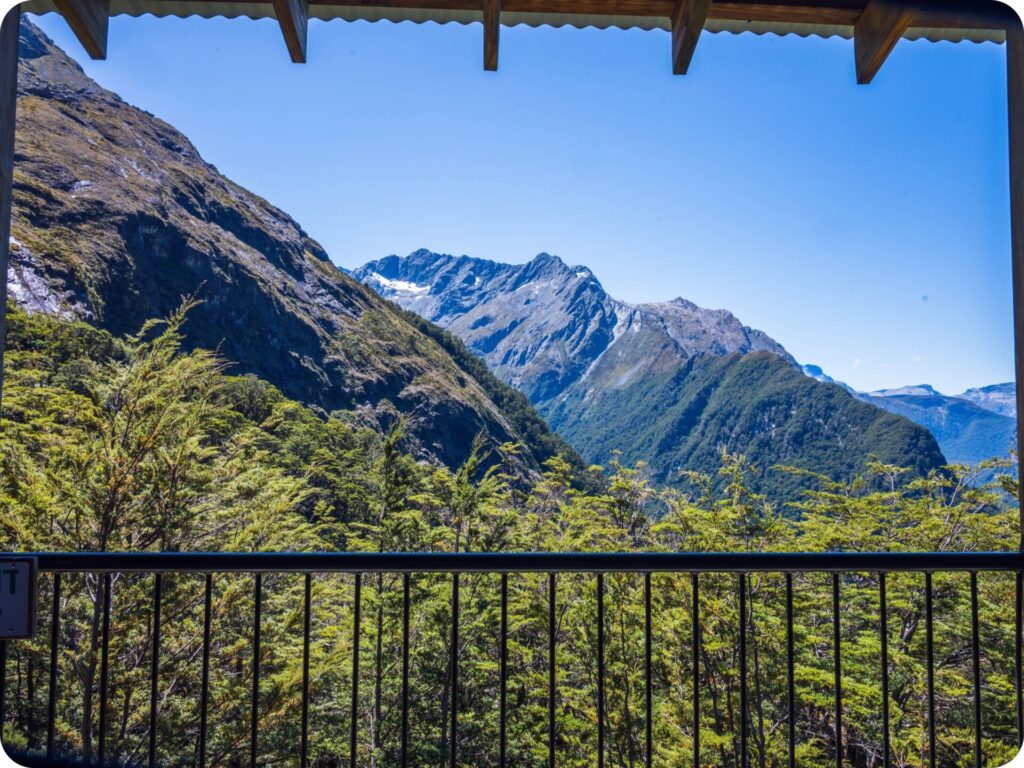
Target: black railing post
point(790, 675)
point(30, 716)
point(3, 686)
point(453, 742)
point(552, 693)
point(254, 714)
point(1018, 653)
point(503, 674)
point(648, 682)
point(883, 617)
point(930, 653)
point(154, 670)
point(600, 670)
point(101, 752)
point(976, 669)
point(744, 757)
point(353, 754)
point(838, 668)
point(51, 716)
point(307, 605)
point(406, 589)
point(204, 691)
point(695, 621)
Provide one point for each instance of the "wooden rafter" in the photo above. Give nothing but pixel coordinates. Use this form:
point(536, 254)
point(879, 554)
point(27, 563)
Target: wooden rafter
point(89, 20)
point(688, 19)
point(293, 16)
point(933, 14)
point(876, 33)
point(492, 30)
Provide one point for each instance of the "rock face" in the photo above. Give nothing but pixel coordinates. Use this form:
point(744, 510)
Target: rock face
point(117, 218)
point(671, 383)
point(539, 326)
point(545, 326)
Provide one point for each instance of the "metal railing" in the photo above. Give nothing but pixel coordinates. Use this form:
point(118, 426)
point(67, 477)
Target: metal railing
point(742, 565)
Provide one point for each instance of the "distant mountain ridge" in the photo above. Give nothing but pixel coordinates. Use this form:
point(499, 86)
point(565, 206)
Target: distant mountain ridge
point(971, 427)
point(544, 326)
point(668, 383)
point(998, 398)
point(117, 218)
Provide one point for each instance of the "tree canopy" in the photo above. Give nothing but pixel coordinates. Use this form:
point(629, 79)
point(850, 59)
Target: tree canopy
point(134, 444)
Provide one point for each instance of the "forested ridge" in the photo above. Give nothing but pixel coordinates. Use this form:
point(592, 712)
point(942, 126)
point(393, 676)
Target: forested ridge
point(137, 444)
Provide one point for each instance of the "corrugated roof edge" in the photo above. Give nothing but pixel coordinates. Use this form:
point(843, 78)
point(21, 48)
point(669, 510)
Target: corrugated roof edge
point(231, 9)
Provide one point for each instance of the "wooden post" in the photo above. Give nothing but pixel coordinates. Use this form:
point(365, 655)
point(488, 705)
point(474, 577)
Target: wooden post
point(293, 16)
point(9, 33)
point(876, 33)
point(492, 29)
point(688, 19)
point(1015, 89)
point(89, 20)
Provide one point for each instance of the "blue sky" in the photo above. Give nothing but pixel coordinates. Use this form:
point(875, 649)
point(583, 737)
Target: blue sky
point(865, 228)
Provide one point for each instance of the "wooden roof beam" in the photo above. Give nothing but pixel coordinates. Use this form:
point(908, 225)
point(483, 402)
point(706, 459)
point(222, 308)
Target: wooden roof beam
point(688, 19)
point(879, 28)
point(293, 16)
point(89, 20)
point(492, 29)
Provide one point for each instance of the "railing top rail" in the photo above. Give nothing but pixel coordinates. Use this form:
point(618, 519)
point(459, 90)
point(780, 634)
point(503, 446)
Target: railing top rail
point(522, 562)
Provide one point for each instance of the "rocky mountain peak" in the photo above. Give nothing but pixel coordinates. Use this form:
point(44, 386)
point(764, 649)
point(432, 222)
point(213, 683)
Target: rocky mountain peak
point(686, 304)
point(544, 258)
point(913, 390)
point(45, 68)
point(545, 326)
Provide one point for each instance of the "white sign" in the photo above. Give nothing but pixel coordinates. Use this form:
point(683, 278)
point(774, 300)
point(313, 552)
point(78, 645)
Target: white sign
point(17, 597)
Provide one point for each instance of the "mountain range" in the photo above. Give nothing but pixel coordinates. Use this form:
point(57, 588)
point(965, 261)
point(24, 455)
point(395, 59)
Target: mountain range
point(971, 427)
point(668, 383)
point(117, 219)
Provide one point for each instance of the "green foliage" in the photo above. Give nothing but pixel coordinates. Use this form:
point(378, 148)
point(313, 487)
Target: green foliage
point(540, 440)
point(134, 444)
point(755, 404)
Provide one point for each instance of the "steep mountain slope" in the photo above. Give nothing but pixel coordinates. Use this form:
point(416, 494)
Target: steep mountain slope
point(117, 218)
point(670, 383)
point(538, 326)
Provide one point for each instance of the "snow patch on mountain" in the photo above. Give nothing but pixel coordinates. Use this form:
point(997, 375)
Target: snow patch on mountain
point(398, 286)
point(917, 390)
